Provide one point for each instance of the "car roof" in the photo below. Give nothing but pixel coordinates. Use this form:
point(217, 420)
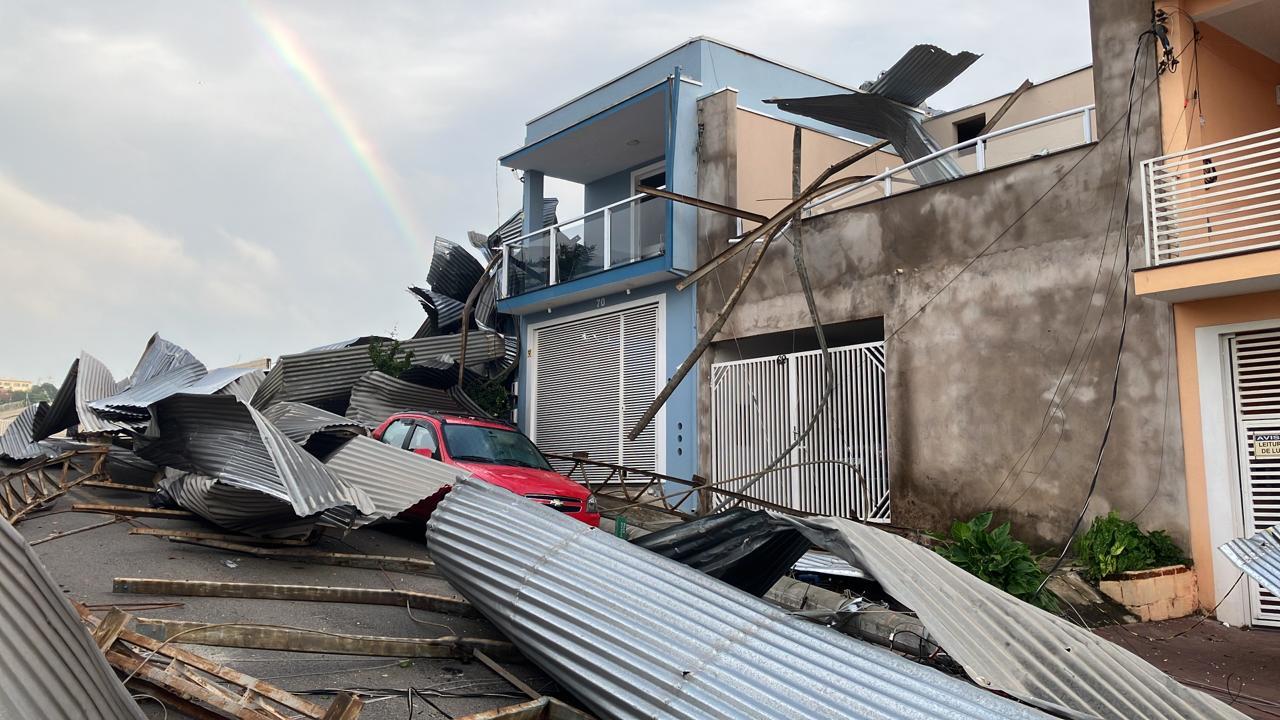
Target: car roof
point(455, 419)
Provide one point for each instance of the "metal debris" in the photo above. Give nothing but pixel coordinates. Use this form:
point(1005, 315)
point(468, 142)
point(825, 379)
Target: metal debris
point(393, 479)
point(15, 442)
point(377, 396)
point(820, 563)
point(444, 314)
point(453, 271)
point(921, 72)
point(86, 381)
point(230, 506)
point(1008, 645)
point(635, 635)
point(49, 665)
point(1258, 556)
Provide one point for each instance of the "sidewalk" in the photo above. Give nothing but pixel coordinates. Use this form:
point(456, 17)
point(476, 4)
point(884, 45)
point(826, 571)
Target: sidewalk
point(1240, 666)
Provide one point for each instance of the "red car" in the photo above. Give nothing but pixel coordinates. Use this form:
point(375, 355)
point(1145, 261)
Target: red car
point(492, 451)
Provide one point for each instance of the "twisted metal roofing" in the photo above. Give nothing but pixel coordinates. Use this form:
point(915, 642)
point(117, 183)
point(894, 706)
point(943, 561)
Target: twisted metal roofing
point(219, 436)
point(921, 72)
point(444, 314)
point(1258, 556)
point(453, 271)
point(50, 667)
point(514, 226)
point(15, 441)
point(87, 380)
point(377, 396)
point(393, 479)
point(635, 635)
point(61, 413)
point(320, 376)
point(1009, 645)
point(160, 357)
point(299, 422)
point(235, 508)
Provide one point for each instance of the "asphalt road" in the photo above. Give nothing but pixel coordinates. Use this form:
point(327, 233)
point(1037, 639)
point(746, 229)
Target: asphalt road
point(85, 564)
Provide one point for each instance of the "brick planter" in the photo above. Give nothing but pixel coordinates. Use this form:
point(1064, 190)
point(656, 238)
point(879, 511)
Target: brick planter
point(1157, 594)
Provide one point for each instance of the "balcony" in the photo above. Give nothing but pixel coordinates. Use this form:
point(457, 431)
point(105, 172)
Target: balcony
point(1212, 201)
point(624, 233)
point(1024, 141)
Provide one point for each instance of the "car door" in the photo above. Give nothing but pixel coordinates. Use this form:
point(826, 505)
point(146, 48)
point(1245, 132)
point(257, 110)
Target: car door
point(423, 441)
point(397, 433)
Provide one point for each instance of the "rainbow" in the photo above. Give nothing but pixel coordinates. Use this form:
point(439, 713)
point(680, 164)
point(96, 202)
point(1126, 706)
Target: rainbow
point(290, 49)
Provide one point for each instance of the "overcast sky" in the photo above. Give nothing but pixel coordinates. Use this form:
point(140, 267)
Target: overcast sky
point(255, 178)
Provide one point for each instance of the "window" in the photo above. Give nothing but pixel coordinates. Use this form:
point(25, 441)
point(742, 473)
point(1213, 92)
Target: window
point(423, 438)
point(396, 432)
point(474, 443)
point(970, 128)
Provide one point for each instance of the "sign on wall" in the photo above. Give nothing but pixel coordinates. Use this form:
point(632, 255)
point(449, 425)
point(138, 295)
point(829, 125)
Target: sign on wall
point(1266, 445)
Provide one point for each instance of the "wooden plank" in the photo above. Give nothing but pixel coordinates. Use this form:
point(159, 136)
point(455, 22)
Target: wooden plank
point(505, 674)
point(132, 510)
point(376, 562)
point(1004, 107)
point(109, 629)
point(118, 486)
point(217, 537)
point(305, 593)
point(199, 662)
point(345, 707)
point(309, 641)
point(180, 686)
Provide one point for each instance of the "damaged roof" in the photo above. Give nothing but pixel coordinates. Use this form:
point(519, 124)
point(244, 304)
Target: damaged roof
point(1258, 556)
point(15, 441)
point(393, 479)
point(921, 72)
point(377, 396)
point(634, 634)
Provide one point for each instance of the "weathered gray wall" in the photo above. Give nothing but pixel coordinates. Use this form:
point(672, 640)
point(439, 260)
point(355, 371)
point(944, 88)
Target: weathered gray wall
point(977, 347)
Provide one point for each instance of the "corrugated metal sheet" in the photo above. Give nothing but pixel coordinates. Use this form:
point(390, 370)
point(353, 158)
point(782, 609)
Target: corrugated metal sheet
point(921, 72)
point(15, 442)
point(394, 479)
point(235, 508)
point(635, 635)
point(1258, 556)
point(321, 376)
point(820, 563)
point(741, 547)
point(299, 422)
point(453, 271)
point(61, 413)
point(377, 396)
point(94, 382)
point(514, 226)
point(133, 401)
point(1009, 645)
point(444, 314)
point(49, 666)
point(159, 357)
point(219, 436)
point(242, 387)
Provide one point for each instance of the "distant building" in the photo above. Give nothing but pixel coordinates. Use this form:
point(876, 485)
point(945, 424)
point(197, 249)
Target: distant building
point(10, 385)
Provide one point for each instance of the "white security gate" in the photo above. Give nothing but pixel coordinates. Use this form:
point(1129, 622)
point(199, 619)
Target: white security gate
point(1255, 361)
point(758, 406)
point(592, 379)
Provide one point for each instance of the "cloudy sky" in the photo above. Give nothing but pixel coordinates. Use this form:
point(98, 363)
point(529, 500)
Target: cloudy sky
point(254, 178)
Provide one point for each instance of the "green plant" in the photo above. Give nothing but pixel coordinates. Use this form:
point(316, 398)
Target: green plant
point(1114, 545)
point(385, 360)
point(995, 557)
point(490, 395)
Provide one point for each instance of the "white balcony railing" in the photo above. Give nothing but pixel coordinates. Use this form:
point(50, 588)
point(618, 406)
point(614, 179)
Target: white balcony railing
point(619, 234)
point(1213, 200)
point(1005, 146)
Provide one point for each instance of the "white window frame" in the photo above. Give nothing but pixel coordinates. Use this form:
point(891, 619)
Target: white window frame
point(660, 420)
point(636, 176)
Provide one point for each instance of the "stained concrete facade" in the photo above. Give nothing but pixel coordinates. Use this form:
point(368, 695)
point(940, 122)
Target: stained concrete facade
point(1000, 298)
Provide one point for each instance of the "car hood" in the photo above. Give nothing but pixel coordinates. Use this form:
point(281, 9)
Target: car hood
point(525, 481)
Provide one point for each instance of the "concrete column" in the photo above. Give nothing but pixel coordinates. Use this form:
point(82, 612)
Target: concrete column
point(532, 201)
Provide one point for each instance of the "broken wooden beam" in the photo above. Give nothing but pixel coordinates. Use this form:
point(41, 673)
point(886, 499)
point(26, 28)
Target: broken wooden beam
point(264, 637)
point(118, 486)
point(344, 707)
point(219, 537)
point(704, 204)
point(133, 510)
point(183, 687)
point(305, 593)
point(505, 674)
point(376, 562)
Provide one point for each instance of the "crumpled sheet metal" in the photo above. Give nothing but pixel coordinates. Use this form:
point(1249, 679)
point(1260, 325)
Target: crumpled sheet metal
point(444, 314)
point(453, 271)
point(377, 396)
point(15, 441)
point(87, 380)
point(1008, 645)
point(819, 563)
point(301, 422)
point(394, 479)
point(514, 226)
point(132, 402)
point(219, 436)
point(160, 357)
point(635, 635)
point(327, 375)
point(50, 667)
point(744, 548)
point(921, 72)
point(1258, 556)
point(237, 509)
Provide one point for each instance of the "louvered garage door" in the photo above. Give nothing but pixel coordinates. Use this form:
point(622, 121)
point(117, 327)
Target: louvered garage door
point(759, 405)
point(1256, 363)
point(593, 378)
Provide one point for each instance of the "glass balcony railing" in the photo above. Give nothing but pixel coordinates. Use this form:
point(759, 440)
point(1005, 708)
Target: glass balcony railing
point(619, 234)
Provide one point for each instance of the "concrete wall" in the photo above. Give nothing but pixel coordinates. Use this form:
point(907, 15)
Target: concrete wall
point(984, 284)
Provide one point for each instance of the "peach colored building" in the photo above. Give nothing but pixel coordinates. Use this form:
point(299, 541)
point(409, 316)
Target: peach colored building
point(1212, 215)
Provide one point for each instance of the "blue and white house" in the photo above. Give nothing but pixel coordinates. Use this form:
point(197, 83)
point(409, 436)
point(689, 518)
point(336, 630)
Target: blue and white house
point(601, 322)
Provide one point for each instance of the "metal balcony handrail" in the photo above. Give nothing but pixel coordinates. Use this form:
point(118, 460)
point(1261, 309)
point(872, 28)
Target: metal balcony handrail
point(1212, 200)
point(580, 218)
point(978, 142)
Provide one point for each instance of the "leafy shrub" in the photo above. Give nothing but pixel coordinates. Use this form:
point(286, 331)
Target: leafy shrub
point(1113, 545)
point(385, 360)
point(996, 558)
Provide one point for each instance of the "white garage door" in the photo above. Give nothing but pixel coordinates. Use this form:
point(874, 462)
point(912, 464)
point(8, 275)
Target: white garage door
point(593, 378)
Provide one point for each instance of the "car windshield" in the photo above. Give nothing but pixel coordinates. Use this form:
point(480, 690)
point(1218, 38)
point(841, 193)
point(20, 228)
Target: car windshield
point(473, 443)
